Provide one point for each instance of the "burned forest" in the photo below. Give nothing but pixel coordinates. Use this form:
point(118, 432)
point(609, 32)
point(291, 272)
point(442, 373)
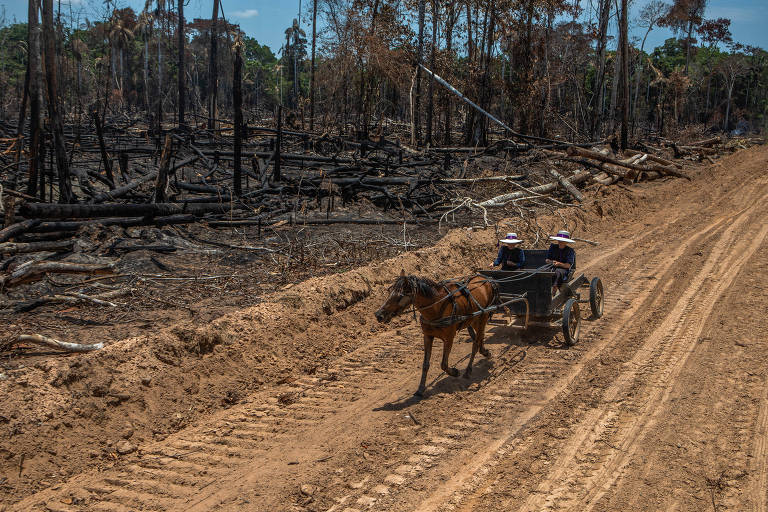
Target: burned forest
point(161, 171)
point(392, 121)
point(401, 114)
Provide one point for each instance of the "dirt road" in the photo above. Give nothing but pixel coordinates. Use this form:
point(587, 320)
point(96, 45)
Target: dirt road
point(663, 405)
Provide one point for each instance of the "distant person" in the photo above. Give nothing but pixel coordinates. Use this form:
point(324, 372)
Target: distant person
point(510, 256)
point(561, 256)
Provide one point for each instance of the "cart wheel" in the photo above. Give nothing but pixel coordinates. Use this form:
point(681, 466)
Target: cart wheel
point(571, 321)
point(596, 297)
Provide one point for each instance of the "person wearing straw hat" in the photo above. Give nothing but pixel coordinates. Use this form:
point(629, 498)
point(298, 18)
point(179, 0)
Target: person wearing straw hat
point(561, 256)
point(510, 256)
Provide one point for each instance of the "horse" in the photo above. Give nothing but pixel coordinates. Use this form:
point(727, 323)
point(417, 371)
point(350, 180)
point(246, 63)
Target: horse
point(446, 308)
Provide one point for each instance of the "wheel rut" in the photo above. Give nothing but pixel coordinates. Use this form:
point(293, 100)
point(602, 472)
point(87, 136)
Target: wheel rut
point(467, 489)
point(607, 438)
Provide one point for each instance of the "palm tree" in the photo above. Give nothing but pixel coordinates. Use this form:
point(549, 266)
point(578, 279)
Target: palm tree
point(120, 35)
point(292, 35)
point(144, 27)
point(79, 49)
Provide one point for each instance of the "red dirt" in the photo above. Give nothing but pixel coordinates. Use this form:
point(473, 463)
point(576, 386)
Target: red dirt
point(303, 401)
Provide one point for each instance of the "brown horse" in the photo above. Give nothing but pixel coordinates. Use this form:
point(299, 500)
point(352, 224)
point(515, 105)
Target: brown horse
point(446, 308)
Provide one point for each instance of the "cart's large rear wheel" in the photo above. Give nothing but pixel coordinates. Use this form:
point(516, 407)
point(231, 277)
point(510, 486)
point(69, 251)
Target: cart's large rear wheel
point(596, 297)
point(571, 321)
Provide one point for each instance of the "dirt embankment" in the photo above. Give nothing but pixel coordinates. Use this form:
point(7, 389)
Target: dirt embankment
point(64, 415)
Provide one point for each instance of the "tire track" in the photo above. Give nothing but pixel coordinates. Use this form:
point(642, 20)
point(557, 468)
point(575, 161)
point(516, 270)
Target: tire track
point(607, 438)
point(464, 489)
point(636, 293)
point(187, 462)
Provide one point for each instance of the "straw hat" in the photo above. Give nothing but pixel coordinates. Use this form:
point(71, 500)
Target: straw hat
point(511, 238)
point(562, 236)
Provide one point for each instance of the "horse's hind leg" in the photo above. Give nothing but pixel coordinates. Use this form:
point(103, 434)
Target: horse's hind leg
point(475, 346)
point(447, 345)
point(425, 367)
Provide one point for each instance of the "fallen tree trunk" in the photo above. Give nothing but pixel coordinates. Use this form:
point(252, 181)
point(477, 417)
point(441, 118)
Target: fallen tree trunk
point(17, 229)
point(34, 271)
point(90, 211)
point(324, 222)
point(567, 185)
point(604, 178)
point(61, 299)
point(16, 193)
point(126, 222)
point(541, 189)
point(611, 169)
point(601, 166)
point(16, 248)
point(654, 158)
point(707, 142)
point(61, 345)
point(594, 155)
point(121, 191)
point(697, 149)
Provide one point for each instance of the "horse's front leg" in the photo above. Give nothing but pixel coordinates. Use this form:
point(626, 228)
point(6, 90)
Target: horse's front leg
point(481, 337)
point(447, 345)
point(425, 367)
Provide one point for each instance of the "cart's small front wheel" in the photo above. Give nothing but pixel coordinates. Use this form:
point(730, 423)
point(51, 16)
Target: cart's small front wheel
point(596, 297)
point(571, 321)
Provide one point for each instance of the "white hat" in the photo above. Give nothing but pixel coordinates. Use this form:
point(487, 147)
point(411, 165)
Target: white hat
point(562, 236)
point(511, 239)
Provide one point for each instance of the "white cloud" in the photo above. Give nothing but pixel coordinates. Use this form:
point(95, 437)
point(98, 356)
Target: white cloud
point(248, 13)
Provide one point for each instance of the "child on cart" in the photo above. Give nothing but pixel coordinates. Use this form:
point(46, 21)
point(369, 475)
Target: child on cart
point(562, 257)
point(510, 256)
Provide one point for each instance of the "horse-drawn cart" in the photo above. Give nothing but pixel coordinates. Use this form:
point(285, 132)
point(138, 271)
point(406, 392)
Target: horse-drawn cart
point(533, 283)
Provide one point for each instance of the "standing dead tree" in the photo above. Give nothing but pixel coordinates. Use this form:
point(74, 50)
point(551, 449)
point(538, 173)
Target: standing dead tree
point(237, 101)
point(35, 100)
point(416, 119)
point(624, 43)
point(213, 71)
point(66, 195)
point(181, 69)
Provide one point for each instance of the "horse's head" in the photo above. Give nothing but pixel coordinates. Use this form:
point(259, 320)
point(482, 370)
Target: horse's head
point(402, 294)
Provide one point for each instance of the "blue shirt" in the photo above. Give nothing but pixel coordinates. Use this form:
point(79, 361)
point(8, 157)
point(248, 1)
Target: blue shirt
point(564, 255)
point(510, 258)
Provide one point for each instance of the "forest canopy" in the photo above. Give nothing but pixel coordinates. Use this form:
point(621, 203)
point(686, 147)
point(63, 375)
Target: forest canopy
point(541, 70)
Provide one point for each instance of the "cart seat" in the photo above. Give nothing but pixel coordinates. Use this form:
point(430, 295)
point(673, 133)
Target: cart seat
point(536, 258)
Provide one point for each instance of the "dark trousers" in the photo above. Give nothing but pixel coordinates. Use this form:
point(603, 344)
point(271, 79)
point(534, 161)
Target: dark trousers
point(561, 276)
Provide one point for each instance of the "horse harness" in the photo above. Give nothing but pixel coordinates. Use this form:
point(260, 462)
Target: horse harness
point(462, 290)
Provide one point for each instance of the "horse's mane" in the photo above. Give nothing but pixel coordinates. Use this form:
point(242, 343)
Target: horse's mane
point(408, 284)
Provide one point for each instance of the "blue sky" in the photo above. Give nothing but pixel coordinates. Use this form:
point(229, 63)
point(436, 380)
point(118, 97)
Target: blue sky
point(266, 20)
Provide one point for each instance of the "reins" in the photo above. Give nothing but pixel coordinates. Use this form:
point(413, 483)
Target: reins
point(463, 286)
